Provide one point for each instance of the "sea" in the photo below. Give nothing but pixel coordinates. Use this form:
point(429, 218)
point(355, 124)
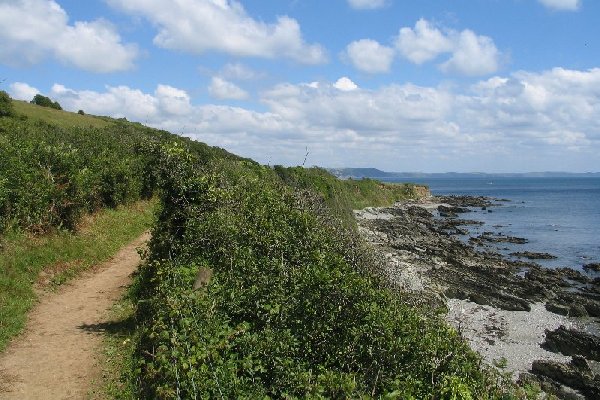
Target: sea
point(559, 216)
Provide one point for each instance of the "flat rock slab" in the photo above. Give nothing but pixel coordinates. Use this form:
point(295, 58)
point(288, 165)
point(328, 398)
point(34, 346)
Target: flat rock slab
point(57, 355)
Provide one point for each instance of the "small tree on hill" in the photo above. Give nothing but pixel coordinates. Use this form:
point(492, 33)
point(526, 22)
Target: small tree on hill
point(45, 102)
point(6, 106)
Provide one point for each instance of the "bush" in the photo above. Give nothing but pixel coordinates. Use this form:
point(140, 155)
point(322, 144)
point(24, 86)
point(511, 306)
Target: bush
point(291, 310)
point(6, 106)
point(51, 176)
point(44, 101)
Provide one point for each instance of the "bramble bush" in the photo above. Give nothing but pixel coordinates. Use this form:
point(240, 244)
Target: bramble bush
point(50, 176)
point(292, 310)
point(6, 106)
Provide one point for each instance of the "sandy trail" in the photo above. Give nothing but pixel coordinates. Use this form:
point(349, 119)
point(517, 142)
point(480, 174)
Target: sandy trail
point(57, 355)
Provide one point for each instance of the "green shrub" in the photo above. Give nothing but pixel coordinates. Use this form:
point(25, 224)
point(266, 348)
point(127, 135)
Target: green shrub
point(51, 175)
point(44, 101)
point(6, 106)
point(291, 311)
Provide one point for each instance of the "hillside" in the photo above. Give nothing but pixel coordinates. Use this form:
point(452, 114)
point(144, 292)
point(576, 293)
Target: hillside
point(255, 284)
point(64, 119)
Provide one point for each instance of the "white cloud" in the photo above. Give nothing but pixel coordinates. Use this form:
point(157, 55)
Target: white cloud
point(238, 71)
point(22, 91)
point(424, 43)
point(546, 119)
point(118, 102)
point(367, 4)
point(562, 5)
point(34, 29)
point(221, 89)
point(369, 56)
point(197, 26)
point(345, 84)
point(172, 100)
point(471, 54)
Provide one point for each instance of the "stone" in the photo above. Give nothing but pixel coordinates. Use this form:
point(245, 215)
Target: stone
point(203, 278)
point(571, 342)
point(592, 267)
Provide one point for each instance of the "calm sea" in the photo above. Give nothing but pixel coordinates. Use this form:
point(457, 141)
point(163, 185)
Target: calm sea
point(560, 216)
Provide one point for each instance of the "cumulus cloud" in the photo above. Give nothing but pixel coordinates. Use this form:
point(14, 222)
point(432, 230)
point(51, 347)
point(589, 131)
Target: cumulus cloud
point(562, 5)
point(22, 91)
point(172, 100)
point(344, 84)
point(116, 101)
point(369, 56)
point(367, 4)
point(497, 123)
point(471, 54)
point(35, 29)
point(552, 107)
point(197, 26)
point(221, 89)
point(423, 43)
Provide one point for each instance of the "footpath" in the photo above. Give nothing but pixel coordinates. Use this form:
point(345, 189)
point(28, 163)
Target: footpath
point(58, 354)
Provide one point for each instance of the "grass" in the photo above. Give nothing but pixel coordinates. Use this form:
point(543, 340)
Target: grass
point(44, 262)
point(60, 118)
point(117, 354)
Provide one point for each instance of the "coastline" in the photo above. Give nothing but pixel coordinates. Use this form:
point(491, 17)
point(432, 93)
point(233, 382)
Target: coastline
point(510, 311)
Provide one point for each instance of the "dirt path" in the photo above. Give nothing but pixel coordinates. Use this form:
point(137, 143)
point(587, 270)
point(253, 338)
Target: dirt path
point(57, 355)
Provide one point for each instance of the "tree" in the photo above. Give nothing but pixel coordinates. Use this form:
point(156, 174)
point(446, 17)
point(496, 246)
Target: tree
point(45, 102)
point(6, 106)
point(81, 112)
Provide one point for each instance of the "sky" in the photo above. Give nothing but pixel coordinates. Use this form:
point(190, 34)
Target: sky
point(399, 85)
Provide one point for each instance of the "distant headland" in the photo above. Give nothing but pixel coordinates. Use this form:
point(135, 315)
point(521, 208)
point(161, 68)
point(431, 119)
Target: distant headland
point(359, 173)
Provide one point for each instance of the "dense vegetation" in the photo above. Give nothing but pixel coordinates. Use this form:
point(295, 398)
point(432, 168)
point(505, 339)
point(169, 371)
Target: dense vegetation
point(293, 308)
point(55, 168)
point(6, 106)
point(343, 196)
point(51, 175)
point(291, 305)
point(44, 101)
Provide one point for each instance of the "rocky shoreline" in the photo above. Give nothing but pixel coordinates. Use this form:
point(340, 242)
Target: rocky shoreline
point(537, 323)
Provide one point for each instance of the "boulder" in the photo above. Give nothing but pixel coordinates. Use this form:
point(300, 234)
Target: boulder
point(572, 342)
point(577, 374)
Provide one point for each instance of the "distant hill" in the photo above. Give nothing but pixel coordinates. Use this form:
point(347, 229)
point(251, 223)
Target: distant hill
point(374, 173)
point(359, 173)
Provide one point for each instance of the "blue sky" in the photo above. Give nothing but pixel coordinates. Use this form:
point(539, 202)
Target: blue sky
point(428, 85)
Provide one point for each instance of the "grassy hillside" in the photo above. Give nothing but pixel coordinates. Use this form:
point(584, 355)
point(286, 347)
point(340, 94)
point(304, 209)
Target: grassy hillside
point(56, 166)
point(290, 305)
point(63, 119)
point(343, 196)
point(73, 190)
